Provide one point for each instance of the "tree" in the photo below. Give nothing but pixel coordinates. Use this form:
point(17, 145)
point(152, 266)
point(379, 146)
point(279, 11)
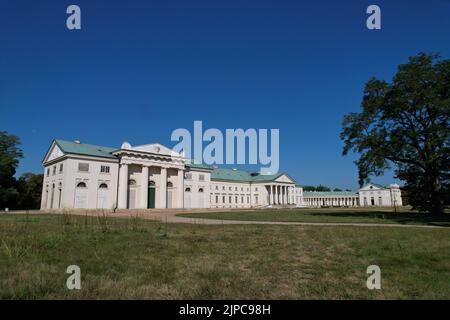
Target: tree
point(30, 190)
point(337, 189)
point(314, 188)
point(405, 125)
point(10, 154)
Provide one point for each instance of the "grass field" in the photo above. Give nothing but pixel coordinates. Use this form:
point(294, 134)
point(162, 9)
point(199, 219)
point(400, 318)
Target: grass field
point(334, 215)
point(130, 258)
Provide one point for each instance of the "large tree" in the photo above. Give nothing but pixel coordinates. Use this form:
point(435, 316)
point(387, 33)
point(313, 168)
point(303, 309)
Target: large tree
point(405, 124)
point(10, 154)
point(29, 186)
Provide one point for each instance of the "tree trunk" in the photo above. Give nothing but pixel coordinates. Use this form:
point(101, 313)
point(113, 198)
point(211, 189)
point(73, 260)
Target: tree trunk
point(437, 207)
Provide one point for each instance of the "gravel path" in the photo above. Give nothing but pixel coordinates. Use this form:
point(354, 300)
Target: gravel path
point(169, 216)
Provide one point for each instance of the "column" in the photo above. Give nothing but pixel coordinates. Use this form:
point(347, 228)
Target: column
point(288, 195)
point(280, 195)
point(271, 194)
point(163, 188)
point(285, 194)
point(276, 195)
point(123, 187)
point(180, 189)
point(144, 187)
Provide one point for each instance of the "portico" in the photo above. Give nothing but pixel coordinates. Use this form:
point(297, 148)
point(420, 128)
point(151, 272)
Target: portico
point(150, 176)
point(281, 194)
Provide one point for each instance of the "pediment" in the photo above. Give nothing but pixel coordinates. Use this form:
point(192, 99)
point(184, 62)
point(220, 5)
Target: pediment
point(156, 148)
point(284, 178)
point(53, 153)
point(372, 187)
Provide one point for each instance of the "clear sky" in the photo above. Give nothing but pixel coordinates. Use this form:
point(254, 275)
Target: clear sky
point(140, 69)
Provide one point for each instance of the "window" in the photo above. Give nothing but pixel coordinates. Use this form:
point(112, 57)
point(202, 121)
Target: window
point(230, 199)
point(201, 177)
point(235, 188)
point(81, 185)
point(217, 199)
point(169, 184)
point(223, 187)
point(151, 183)
point(248, 199)
point(256, 199)
point(380, 201)
point(48, 172)
point(188, 176)
point(242, 199)
point(60, 168)
point(131, 182)
point(229, 188)
point(83, 167)
point(54, 170)
point(236, 199)
point(256, 189)
point(103, 186)
point(187, 190)
point(217, 187)
point(200, 190)
point(104, 169)
point(223, 199)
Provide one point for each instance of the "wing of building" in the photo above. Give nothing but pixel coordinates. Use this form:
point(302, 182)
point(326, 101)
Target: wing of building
point(79, 175)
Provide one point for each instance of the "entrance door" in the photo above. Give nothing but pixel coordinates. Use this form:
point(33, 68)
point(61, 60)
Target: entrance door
point(81, 195)
point(102, 197)
point(151, 197)
point(187, 198)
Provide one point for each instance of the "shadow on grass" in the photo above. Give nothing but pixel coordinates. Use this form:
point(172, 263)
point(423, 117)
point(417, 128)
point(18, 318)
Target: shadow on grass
point(401, 218)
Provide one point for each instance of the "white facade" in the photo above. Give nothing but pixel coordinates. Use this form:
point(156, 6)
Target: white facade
point(376, 195)
point(84, 176)
point(371, 195)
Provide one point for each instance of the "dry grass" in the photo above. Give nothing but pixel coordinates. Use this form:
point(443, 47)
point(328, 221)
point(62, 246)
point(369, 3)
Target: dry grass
point(135, 258)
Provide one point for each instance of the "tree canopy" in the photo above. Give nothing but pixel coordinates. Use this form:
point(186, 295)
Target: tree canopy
point(22, 193)
point(405, 125)
point(10, 154)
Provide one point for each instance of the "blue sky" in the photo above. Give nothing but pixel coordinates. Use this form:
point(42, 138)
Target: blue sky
point(140, 69)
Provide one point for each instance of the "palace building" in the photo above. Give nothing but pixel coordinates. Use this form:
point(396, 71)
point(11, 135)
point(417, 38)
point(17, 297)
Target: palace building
point(85, 176)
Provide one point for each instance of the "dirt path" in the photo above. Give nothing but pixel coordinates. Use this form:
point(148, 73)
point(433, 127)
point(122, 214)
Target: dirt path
point(169, 216)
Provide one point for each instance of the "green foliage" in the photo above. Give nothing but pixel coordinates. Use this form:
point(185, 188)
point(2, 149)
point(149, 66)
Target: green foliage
point(10, 154)
point(24, 193)
point(314, 188)
point(29, 186)
point(405, 124)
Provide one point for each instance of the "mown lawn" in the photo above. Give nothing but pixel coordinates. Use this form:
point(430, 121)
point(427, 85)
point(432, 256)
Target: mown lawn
point(338, 215)
point(132, 258)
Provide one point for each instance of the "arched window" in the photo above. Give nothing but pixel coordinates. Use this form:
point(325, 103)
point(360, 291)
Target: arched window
point(169, 184)
point(81, 185)
point(131, 182)
point(103, 186)
point(151, 183)
point(187, 190)
point(200, 190)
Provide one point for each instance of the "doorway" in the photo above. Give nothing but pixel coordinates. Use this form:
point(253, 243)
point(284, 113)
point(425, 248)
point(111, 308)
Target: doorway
point(151, 195)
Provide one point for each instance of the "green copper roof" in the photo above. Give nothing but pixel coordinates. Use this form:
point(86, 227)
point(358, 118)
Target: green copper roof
point(328, 193)
point(192, 164)
point(85, 149)
point(230, 174)
point(241, 175)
